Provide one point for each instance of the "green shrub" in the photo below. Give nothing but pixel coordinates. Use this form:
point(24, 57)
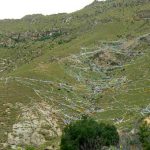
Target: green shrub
point(87, 134)
point(30, 148)
point(144, 134)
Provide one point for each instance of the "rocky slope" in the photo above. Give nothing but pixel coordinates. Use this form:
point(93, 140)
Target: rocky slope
point(54, 69)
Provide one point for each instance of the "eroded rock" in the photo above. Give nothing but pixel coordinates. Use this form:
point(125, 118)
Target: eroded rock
point(37, 124)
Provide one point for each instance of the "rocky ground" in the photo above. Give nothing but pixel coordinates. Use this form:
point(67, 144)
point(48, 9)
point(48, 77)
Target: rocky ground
point(60, 102)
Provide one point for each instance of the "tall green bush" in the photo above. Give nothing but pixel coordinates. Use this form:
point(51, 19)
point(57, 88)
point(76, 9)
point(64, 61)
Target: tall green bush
point(87, 134)
point(144, 134)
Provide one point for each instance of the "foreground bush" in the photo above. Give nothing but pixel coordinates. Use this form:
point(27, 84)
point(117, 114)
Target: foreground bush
point(87, 134)
point(144, 134)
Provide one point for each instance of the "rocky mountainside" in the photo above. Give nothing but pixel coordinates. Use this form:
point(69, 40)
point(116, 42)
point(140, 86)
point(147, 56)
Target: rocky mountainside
point(54, 69)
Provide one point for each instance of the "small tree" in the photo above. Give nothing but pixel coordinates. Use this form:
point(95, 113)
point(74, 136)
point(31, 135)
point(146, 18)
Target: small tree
point(87, 134)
